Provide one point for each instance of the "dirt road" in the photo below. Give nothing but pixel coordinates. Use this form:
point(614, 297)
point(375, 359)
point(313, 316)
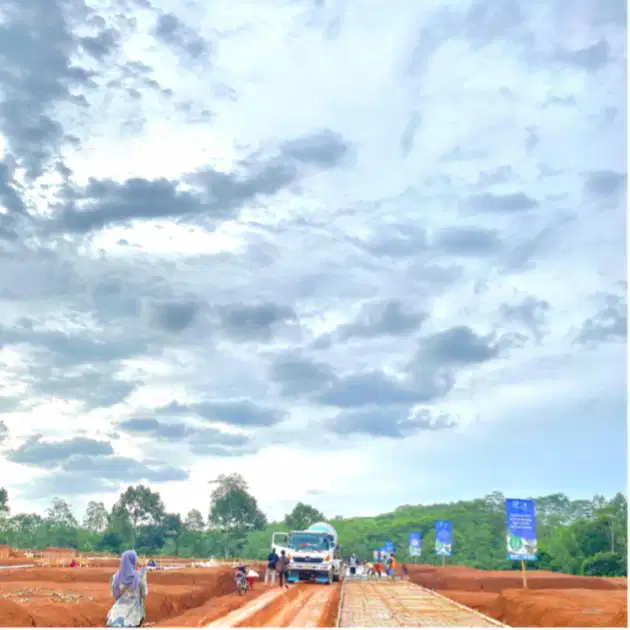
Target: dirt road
point(303, 605)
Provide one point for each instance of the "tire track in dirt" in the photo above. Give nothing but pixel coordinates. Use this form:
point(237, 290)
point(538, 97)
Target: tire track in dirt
point(303, 605)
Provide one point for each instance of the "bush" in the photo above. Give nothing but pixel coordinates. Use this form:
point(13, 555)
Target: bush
point(605, 563)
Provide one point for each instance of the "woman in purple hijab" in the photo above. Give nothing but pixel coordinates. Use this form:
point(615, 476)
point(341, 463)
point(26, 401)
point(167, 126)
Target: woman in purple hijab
point(129, 589)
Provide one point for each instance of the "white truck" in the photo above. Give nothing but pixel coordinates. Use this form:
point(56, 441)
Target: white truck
point(314, 553)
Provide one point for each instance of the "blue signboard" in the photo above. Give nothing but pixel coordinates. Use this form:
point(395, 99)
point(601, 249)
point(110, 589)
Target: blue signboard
point(521, 529)
point(388, 547)
point(443, 538)
point(415, 544)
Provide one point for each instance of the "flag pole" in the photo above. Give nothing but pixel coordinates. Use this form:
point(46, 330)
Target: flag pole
point(524, 573)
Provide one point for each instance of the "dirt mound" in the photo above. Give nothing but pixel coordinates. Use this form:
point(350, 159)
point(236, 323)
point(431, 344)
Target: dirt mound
point(464, 579)
point(99, 574)
point(214, 608)
point(478, 600)
point(331, 610)
point(560, 608)
point(303, 605)
point(13, 615)
point(81, 597)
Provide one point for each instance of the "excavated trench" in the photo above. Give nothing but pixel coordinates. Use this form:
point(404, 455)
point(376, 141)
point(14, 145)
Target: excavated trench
point(81, 597)
point(51, 597)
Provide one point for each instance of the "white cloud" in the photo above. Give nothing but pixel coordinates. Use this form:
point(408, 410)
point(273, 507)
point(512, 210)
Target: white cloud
point(258, 219)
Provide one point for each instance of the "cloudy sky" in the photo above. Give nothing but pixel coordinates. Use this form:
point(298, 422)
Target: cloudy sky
point(365, 253)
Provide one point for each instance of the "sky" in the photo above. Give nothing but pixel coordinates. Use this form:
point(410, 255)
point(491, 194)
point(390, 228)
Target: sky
point(366, 254)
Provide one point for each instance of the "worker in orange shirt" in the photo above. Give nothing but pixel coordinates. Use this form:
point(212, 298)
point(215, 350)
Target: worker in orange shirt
point(392, 566)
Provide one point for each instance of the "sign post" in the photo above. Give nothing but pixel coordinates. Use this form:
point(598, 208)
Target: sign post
point(443, 540)
point(415, 544)
point(521, 532)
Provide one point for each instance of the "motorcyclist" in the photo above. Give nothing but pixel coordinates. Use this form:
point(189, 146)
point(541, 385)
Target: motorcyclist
point(240, 572)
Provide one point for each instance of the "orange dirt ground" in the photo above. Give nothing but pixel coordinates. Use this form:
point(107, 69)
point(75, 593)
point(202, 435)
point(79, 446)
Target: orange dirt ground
point(551, 599)
point(195, 597)
point(46, 597)
point(302, 605)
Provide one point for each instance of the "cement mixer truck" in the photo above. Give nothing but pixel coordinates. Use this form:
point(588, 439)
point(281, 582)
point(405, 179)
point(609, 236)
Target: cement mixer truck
point(314, 553)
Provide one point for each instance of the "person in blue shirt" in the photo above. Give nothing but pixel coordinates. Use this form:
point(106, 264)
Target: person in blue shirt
point(272, 563)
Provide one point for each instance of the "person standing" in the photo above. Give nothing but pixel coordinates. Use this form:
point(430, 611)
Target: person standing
point(272, 562)
point(283, 567)
point(129, 590)
point(378, 567)
point(392, 566)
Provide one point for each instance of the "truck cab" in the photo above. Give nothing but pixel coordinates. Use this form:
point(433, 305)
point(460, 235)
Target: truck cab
point(314, 553)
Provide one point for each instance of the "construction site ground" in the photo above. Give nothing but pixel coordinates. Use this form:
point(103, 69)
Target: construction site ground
point(205, 597)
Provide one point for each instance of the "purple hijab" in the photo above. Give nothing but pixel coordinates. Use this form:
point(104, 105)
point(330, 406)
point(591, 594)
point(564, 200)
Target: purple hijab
point(127, 574)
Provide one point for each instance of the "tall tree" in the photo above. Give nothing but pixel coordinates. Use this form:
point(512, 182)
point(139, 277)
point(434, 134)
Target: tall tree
point(233, 510)
point(173, 527)
point(302, 516)
point(60, 514)
point(61, 524)
point(96, 517)
point(4, 502)
point(27, 530)
point(194, 521)
point(142, 506)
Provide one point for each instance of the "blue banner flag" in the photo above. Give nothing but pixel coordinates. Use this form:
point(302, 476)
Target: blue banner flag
point(443, 538)
point(415, 544)
point(521, 529)
point(388, 547)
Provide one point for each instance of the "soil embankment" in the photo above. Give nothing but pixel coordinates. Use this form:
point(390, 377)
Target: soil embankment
point(196, 597)
point(81, 597)
point(551, 599)
point(302, 605)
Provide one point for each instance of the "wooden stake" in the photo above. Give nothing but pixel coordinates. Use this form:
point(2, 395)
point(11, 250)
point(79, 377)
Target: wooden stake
point(443, 562)
point(524, 573)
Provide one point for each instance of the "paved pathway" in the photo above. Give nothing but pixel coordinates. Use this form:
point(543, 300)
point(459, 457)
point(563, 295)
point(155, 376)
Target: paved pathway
point(401, 604)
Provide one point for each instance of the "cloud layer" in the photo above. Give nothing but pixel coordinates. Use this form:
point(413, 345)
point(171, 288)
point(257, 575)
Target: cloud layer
point(355, 244)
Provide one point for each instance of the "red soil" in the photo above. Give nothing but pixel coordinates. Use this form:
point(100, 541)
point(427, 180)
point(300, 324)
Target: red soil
point(464, 579)
point(213, 609)
point(196, 597)
point(551, 599)
point(302, 605)
point(81, 597)
point(560, 608)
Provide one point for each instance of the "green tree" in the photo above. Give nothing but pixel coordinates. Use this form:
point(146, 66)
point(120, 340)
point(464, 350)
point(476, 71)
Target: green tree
point(4, 502)
point(302, 516)
point(149, 538)
point(173, 527)
point(61, 524)
point(25, 531)
point(605, 563)
point(96, 517)
point(60, 514)
point(194, 521)
point(234, 511)
point(142, 506)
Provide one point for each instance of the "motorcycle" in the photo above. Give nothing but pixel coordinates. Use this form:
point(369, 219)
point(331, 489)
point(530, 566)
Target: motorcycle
point(242, 585)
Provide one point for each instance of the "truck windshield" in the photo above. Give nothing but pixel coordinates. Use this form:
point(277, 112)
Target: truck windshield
point(314, 542)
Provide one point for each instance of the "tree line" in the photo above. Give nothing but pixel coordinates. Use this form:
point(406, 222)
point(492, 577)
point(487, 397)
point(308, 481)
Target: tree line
point(582, 537)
